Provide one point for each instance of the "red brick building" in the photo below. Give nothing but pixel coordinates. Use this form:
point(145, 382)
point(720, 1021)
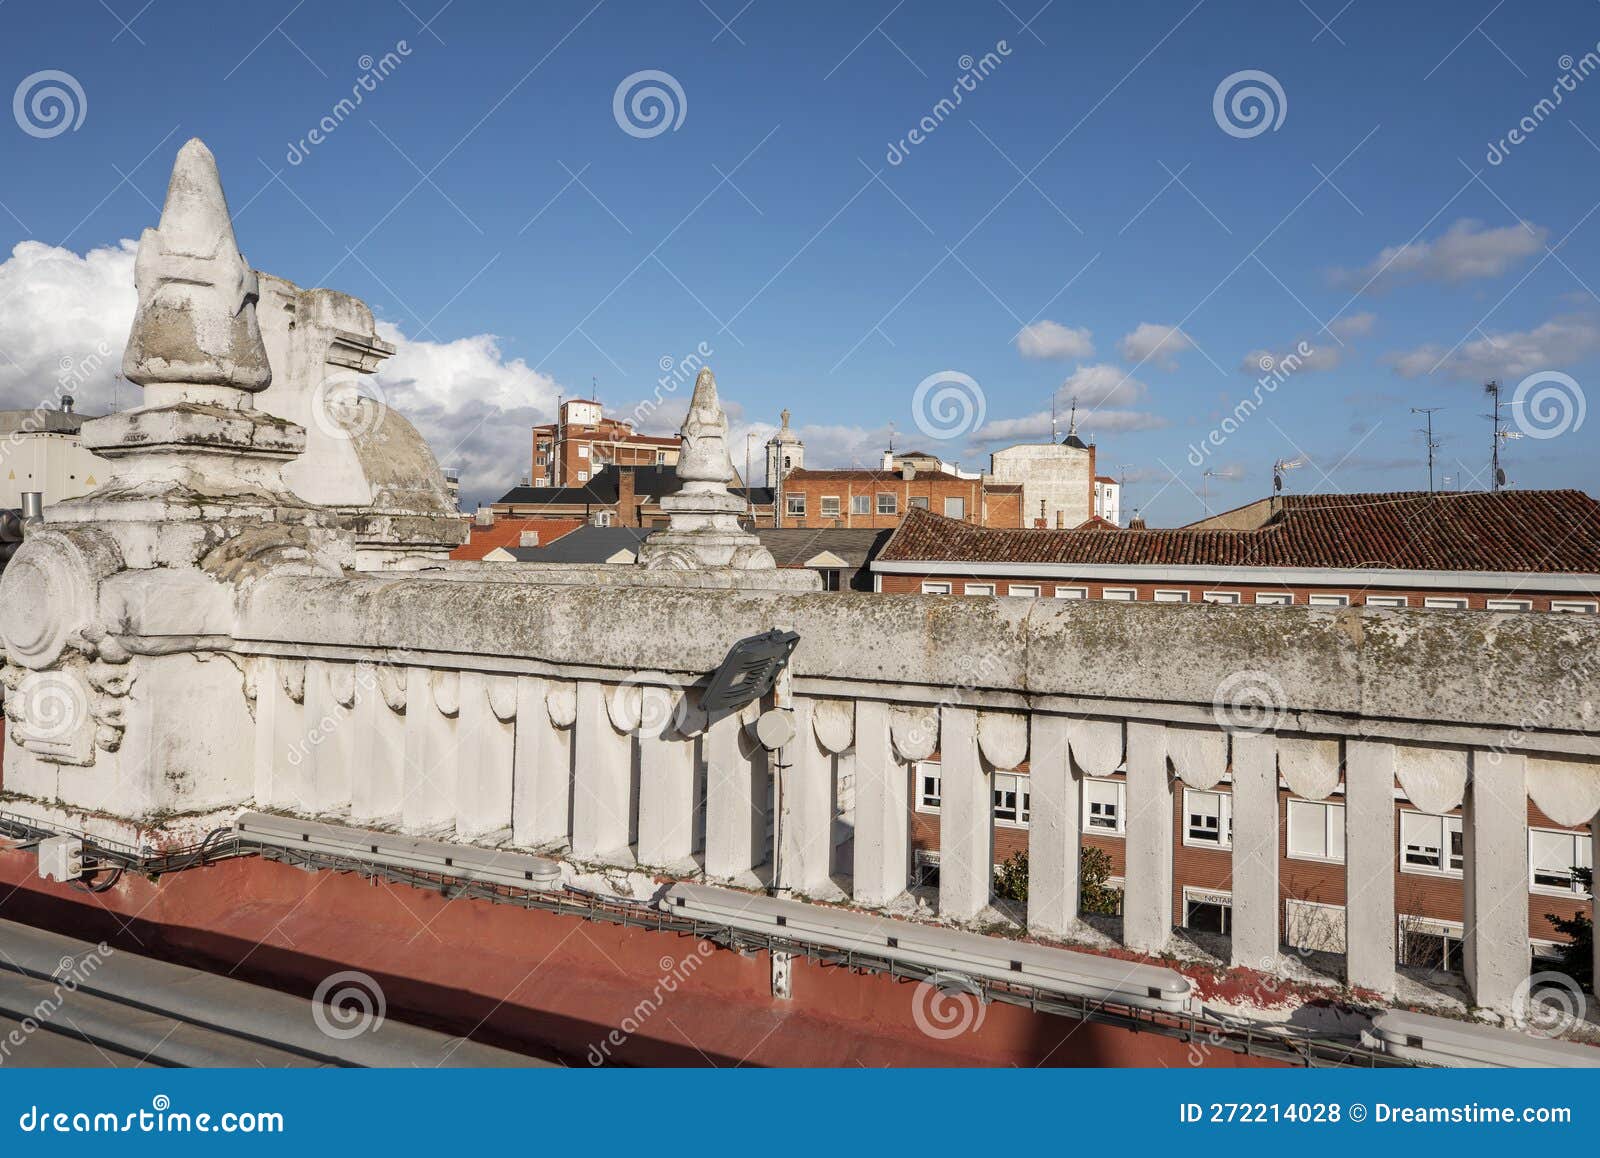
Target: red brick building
point(616, 496)
point(1511, 551)
point(881, 498)
point(573, 449)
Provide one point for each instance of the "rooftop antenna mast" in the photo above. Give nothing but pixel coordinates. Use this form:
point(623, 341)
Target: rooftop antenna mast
point(1205, 491)
point(1278, 469)
point(1054, 430)
point(1433, 445)
point(1501, 434)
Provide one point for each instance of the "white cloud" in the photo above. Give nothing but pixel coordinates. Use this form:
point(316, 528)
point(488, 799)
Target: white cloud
point(1463, 252)
point(1264, 361)
point(1510, 354)
point(1048, 339)
point(1100, 384)
point(1036, 427)
point(1160, 344)
point(1353, 325)
point(63, 322)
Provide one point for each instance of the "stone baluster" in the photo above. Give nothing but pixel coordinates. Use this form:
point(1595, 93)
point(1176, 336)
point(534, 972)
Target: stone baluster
point(883, 834)
point(1369, 850)
point(1256, 933)
point(669, 723)
point(488, 738)
point(433, 705)
point(823, 729)
point(1494, 828)
point(603, 774)
point(966, 818)
point(377, 788)
point(736, 798)
point(1147, 894)
point(1056, 744)
point(541, 809)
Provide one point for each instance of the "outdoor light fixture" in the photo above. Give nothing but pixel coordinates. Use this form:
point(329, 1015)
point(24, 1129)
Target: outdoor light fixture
point(749, 672)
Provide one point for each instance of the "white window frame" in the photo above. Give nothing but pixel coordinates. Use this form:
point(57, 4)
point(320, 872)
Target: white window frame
point(1446, 826)
point(583, 476)
point(1219, 897)
point(1327, 599)
point(583, 450)
point(1312, 813)
point(1508, 605)
point(1220, 597)
point(1163, 595)
point(977, 589)
point(1388, 601)
point(1072, 592)
point(888, 504)
point(1019, 787)
point(1575, 606)
point(661, 458)
point(1446, 602)
point(860, 504)
point(929, 587)
point(1023, 590)
point(1119, 594)
point(829, 505)
point(1118, 789)
point(918, 503)
point(1275, 598)
point(930, 774)
point(1193, 797)
point(795, 505)
point(1582, 854)
point(960, 505)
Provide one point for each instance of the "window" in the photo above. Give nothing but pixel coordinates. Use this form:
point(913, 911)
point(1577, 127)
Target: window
point(1579, 606)
point(794, 504)
point(1430, 944)
point(1172, 597)
point(583, 451)
point(1208, 819)
point(1430, 843)
point(1552, 857)
point(1446, 602)
point(1022, 590)
point(1311, 925)
point(1207, 911)
point(955, 508)
point(936, 588)
point(1072, 592)
point(538, 460)
point(1012, 799)
point(860, 504)
point(1119, 594)
point(1326, 600)
point(918, 503)
point(1508, 604)
point(928, 783)
point(1103, 805)
point(887, 505)
point(661, 458)
point(925, 868)
point(583, 476)
point(830, 506)
point(978, 589)
point(1316, 830)
point(1221, 597)
point(1275, 598)
point(1388, 601)
point(830, 578)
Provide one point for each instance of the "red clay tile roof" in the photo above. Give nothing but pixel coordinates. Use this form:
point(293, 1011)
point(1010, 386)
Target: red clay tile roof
point(1517, 531)
point(508, 533)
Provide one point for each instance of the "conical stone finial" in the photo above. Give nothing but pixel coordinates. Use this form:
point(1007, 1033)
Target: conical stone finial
point(196, 323)
point(704, 457)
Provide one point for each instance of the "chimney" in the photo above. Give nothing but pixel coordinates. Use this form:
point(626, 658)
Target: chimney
point(627, 506)
point(528, 539)
point(1137, 522)
point(32, 507)
point(888, 460)
point(1092, 477)
point(484, 517)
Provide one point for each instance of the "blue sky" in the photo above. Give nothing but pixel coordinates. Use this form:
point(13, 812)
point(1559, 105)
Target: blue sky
point(485, 200)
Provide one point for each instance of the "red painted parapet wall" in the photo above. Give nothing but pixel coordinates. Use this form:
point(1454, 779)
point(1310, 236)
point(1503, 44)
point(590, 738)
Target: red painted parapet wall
point(586, 992)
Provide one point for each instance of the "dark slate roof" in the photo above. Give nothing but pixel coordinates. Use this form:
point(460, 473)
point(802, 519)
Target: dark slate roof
point(585, 545)
point(648, 482)
point(792, 546)
point(1513, 531)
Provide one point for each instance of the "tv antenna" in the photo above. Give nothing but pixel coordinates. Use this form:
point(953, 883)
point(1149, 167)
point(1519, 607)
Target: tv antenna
point(1278, 470)
point(1500, 434)
point(1430, 411)
point(1205, 491)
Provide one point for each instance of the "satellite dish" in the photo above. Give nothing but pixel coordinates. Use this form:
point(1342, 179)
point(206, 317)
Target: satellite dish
point(1500, 477)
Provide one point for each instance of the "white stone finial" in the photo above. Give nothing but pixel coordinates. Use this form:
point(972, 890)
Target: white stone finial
point(196, 323)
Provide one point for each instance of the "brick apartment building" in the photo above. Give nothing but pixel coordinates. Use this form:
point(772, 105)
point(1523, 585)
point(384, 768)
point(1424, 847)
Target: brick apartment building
point(1311, 862)
point(572, 450)
point(1510, 551)
point(620, 496)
